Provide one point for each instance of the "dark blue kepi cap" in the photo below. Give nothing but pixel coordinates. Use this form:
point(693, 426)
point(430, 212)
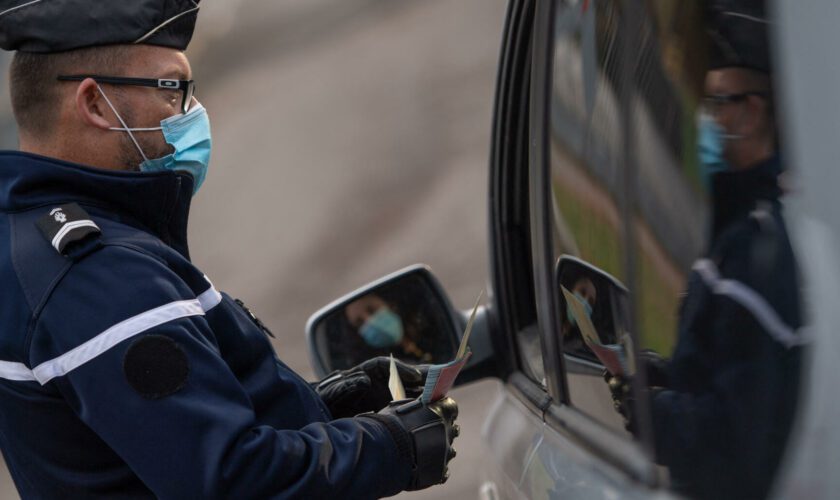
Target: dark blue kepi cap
point(47, 26)
point(738, 30)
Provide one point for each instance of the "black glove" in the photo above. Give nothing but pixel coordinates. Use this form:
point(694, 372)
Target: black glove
point(364, 388)
point(424, 435)
point(655, 368)
point(623, 401)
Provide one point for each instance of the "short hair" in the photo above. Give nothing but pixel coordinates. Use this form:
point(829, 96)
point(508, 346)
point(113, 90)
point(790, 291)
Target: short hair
point(35, 92)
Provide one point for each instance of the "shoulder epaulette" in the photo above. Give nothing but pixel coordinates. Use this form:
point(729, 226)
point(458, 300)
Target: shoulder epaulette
point(66, 225)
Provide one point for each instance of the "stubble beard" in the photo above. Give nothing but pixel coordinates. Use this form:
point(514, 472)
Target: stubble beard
point(152, 142)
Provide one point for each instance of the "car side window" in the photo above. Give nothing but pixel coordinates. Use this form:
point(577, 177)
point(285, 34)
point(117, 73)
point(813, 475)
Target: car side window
point(587, 176)
point(719, 313)
point(672, 206)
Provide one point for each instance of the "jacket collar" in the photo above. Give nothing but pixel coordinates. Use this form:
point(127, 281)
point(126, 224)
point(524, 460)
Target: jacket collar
point(156, 202)
point(736, 194)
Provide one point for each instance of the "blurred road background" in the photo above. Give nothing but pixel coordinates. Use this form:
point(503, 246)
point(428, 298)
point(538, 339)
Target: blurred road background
point(351, 139)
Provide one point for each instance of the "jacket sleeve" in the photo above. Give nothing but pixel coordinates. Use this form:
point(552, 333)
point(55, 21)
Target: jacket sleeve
point(736, 370)
point(693, 425)
point(188, 432)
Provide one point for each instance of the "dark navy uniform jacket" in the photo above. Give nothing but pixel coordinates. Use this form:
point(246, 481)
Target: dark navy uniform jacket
point(124, 373)
point(722, 424)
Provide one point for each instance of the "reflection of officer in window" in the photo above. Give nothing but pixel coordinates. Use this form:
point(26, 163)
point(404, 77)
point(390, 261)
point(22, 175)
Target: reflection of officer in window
point(728, 395)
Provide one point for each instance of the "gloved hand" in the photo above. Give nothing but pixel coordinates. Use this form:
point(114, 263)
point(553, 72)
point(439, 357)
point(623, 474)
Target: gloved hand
point(655, 368)
point(364, 388)
point(423, 434)
point(623, 401)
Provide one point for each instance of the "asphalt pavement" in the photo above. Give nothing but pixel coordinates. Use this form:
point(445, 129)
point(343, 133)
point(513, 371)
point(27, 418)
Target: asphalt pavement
point(351, 139)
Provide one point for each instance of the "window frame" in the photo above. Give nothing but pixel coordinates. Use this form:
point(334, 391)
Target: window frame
point(542, 255)
point(509, 229)
point(626, 455)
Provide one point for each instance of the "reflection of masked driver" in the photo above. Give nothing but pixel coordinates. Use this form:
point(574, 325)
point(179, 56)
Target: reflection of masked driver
point(382, 328)
point(376, 323)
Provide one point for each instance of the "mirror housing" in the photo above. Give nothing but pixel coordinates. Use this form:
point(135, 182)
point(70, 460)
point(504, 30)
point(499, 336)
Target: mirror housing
point(407, 314)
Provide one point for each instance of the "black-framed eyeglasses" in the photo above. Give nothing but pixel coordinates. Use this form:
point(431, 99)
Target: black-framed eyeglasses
point(187, 87)
point(713, 102)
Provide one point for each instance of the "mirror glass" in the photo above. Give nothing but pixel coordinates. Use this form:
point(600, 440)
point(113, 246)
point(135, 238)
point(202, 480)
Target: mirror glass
point(594, 316)
point(407, 316)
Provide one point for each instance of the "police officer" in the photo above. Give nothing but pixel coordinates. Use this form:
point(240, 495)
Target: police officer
point(123, 371)
point(723, 406)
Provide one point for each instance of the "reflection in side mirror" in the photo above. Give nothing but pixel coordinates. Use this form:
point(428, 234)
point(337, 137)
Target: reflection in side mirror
point(406, 314)
point(594, 316)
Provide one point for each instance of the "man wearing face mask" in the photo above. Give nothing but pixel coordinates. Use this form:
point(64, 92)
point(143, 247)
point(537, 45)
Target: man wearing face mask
point(723, 405)
point(123, 371)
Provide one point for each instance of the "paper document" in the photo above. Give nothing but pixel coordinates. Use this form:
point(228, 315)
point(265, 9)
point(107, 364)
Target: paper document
point(395, 385)
point(441, 378)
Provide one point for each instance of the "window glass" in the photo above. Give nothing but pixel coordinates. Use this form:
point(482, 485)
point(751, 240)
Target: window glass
point(587, 184)
point(717, 293)
point(672, 204)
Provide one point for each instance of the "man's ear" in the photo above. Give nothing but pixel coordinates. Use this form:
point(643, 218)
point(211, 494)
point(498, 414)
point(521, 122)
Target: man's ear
point(91, 106)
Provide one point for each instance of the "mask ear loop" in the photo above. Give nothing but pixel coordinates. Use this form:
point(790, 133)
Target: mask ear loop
point(122, 122)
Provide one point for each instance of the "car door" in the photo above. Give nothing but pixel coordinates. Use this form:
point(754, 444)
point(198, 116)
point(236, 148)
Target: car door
point(614, 182)
point(594, 168)
point(579, 197)
point(552, 429)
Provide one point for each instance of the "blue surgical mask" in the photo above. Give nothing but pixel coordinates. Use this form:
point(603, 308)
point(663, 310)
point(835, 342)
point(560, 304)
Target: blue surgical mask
point(382, 329)
point(571, 316)
point(188, 133)
point(710, 143)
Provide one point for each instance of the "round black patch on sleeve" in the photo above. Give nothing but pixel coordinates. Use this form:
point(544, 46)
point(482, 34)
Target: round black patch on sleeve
point(155, 366)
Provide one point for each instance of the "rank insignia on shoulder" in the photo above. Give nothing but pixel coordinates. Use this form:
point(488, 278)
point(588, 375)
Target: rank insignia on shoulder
point(66, 224)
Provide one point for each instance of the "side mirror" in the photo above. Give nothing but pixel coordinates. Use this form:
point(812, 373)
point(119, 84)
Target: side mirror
point(594, 316)
point(406, 314)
